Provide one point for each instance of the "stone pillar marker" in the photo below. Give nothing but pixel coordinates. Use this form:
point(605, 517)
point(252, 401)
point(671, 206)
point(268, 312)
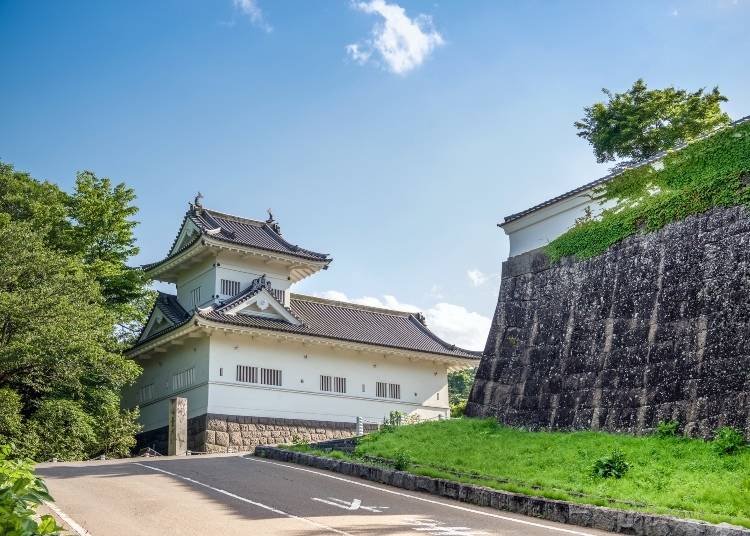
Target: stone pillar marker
point(177, 426)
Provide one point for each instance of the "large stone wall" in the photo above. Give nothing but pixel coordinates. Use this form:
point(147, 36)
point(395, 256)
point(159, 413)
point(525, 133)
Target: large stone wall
point(655, 328)
point(233, 433)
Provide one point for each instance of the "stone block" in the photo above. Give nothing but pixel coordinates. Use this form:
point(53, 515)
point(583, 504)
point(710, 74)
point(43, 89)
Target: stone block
point(221, 439)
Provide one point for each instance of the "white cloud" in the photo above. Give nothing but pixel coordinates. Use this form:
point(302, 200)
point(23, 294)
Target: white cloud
point(453, 323)
point(403, 43)
point(476, 277)
point(254, 13)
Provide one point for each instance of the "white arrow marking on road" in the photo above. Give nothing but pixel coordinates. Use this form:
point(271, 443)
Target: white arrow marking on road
point(437, 528)
point(355, 504)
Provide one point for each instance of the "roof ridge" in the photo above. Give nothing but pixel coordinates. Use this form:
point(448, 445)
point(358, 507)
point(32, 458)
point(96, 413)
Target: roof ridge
point(239, 219)
point(612, 174)
point(350, 305)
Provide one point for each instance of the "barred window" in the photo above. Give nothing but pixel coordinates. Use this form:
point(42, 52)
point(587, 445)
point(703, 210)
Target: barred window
point(270, 376)
point(339, 385)
point(325, 383)
point(183, 379)
point(229, 287)
point(394, 390)
point(195, 296)
point(381, 389)
point(247, 374)
point(145, 393)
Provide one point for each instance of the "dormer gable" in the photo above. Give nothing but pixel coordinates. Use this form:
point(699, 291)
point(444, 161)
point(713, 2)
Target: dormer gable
point(259, 300)
point(166, 314)
point(187, 235)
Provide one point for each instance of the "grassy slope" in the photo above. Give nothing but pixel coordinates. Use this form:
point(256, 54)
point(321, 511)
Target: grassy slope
point(681, 477)
point(712, 172)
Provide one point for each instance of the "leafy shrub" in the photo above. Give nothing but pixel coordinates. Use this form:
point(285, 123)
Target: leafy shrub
point(401, 460)
point(727, 440)
point(10, 415)
point(65, 431)
point(612, 466)
point(20, 493)
point(667, 429)
point(115, 430)
point(458, 410)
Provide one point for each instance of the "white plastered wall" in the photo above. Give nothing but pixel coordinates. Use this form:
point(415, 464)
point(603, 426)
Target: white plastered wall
point(424, 384)
point(245, 270)
point(540, 227)
point(202, 275)
point(159, 371)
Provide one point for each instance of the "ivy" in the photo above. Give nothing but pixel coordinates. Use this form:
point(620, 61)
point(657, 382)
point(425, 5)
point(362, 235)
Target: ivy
point(711, 172)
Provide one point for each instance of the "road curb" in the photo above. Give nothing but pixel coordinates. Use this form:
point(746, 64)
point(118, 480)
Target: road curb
point(595, 517)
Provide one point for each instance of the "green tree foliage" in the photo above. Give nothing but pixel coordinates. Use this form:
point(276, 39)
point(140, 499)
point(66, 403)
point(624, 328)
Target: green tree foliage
point(710, 172)
point(64, 288)
point(642, 122)
point(20, 493)
point(459, 385)
point(94, 224)
point(10, 416)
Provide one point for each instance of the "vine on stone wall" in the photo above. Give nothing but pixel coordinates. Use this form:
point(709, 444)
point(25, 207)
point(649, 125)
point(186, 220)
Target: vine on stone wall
point(711, 172)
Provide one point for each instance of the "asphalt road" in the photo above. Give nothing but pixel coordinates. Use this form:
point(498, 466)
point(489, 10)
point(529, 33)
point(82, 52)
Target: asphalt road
point(243, 495)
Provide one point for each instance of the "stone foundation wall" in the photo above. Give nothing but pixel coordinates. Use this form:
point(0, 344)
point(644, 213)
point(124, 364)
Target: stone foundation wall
point(656, 328)
point(233, 433)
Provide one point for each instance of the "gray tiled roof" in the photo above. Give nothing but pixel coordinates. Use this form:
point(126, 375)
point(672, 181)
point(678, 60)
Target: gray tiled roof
point(171, 309)
point(240, 231)
point(253, 233)
point(350, 322)
point(606, 178)
point(337, 320)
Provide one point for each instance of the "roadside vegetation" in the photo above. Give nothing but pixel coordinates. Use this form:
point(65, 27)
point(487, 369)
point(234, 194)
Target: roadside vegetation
point(21, 492)
point(69, 306)
point(459, 388)
point(663, 473)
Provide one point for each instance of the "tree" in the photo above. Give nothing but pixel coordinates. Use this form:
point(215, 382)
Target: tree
point(93, 223)
point(640, 123)
point(459, 385)
point(61, 295)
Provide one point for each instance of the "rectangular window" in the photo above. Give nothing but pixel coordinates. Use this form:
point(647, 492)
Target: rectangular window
point(270, 376)
point(381, 389)
point(394, 391)
point(195, 296)
point(145, 393)
point(183, 379)
point(247, 374)
point(339, 385)
point(229, 287)
point(325, 383)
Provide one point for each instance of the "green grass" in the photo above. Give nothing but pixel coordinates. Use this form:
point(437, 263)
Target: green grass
point(673, 476)
point(711, 172)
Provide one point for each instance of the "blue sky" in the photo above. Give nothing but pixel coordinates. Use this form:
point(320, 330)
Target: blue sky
point(399, 163)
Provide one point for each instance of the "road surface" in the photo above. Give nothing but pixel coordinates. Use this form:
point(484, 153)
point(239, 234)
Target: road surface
point(243, 495)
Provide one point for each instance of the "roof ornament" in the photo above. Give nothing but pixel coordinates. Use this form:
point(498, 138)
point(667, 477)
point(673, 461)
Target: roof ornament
point(273, 224)
point(421, 318)
point(197, 201)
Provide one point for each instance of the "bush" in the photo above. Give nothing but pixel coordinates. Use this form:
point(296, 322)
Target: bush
point(667, 429)
point(65, 431)
point(401, 461)
point(20, 493)
point(727, 440)
point(10, 415)
point(612, 466)
point(115, 430)
point(458, 409)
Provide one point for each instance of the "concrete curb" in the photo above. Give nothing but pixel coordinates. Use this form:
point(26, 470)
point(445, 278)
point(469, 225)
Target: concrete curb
point(595, 517)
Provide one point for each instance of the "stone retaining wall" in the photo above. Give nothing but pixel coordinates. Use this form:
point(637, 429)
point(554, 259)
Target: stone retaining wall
point(595, 517)
point(215, 433)
point(655, 328)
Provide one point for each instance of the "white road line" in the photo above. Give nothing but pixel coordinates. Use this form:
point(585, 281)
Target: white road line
point(243, 499)
point(423, 499)
point(78, 529)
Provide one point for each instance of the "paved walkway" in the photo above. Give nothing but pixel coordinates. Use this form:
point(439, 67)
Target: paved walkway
point(243, 495)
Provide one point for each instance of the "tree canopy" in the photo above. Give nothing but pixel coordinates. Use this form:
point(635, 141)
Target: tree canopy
point(64, 288)
point(642, 122)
